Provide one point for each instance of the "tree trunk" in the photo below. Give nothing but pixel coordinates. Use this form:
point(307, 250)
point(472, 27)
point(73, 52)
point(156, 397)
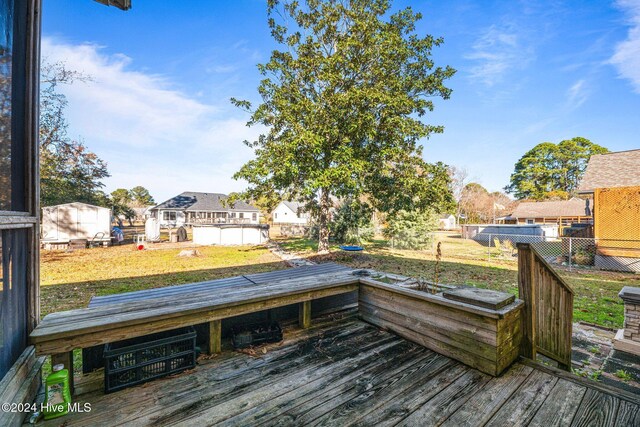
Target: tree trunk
point(323, 221)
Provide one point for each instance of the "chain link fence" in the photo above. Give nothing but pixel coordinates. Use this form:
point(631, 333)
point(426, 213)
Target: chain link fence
point(570, 252)
point(566, 253)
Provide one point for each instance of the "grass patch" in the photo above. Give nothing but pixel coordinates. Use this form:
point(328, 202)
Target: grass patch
point(300, 245)
point(623, 375)
point(69, 280)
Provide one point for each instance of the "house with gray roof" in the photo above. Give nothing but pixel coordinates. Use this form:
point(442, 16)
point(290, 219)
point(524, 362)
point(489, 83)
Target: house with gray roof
point(288, 212)
point(192, 208)
point(561, 212)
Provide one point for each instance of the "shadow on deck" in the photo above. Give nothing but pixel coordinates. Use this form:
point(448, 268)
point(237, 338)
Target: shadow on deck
point(343, 371)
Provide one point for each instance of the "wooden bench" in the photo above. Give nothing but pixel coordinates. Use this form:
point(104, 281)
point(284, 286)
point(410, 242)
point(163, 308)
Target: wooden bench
point(141, 313)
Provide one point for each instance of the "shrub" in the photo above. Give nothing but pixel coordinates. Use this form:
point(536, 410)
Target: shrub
point(584, 255)
point(352, 223)
point(411, 230)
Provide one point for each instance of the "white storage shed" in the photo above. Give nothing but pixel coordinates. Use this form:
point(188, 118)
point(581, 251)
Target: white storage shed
point(63, 223)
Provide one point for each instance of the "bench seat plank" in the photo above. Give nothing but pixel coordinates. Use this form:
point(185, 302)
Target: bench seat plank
point(106, 323)
point(231, 282)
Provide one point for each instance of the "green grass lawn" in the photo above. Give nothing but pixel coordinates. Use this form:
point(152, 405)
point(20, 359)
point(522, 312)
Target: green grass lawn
point(69, 280)
point(467, 262)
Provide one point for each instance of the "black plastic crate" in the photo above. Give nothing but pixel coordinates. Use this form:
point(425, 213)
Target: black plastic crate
point(138, 360)
point(243, 336)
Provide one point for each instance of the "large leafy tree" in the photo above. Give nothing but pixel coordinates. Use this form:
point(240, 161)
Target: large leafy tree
point(140, 197)
point(342, 102)
point(552, 171)
point(69, 172)
point(119, 202)
point(481, 206)
point(121, 196)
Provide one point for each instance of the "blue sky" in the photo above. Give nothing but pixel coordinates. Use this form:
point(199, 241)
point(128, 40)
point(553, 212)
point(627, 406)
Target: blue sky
point(157, 108)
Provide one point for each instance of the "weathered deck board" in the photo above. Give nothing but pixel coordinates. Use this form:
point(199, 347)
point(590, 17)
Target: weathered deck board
point(628, 415)
point(481, 407)
point(444, 404)
point(293, 385)
point(290, 273)
point(338, 409)
point(520, 408)
point(280, 407)
point(347, 372)
point(392, 412)
point(246, 280)
point(596, 409)
point(175, 291)
point(560, 406)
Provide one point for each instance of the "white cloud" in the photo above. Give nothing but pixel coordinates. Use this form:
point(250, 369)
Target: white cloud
point(577, 94)
point(496, 52)
point(149, 132)
point(627, 53)
point(222, 69)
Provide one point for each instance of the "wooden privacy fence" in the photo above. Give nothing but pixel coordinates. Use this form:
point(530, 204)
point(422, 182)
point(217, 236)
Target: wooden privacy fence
point(548, 311)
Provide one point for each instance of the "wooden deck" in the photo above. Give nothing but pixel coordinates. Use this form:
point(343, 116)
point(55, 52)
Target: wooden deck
point(347, 372)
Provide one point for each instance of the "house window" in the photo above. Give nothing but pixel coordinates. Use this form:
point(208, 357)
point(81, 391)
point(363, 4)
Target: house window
point(254, 216)
point(241, 215)
point(169, 215)
point(531, 221)
point(275, 215)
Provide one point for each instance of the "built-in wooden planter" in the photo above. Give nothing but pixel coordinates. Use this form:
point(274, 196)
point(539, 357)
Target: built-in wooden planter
point(485, 338)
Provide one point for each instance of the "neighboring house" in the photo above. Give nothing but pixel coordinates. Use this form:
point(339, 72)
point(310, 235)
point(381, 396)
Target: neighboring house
point(613, 180)
point(143, 213)
point(190, 208)
point(561, 212)
point(290, 213)
point(70, 221)
point(447, 222)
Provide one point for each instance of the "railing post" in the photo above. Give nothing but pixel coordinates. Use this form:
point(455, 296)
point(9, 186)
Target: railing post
point(570, 253)
point(527, 292)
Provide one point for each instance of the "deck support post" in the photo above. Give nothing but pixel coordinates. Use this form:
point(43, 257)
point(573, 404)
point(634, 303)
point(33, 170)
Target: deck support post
point(215, 336)
point(65, 359)
point(304, 314)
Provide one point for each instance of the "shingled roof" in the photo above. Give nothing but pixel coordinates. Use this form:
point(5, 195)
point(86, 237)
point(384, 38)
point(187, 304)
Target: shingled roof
point(562, 208)
point(120, 4)
point(192, 201)
point(620, 169)
point(294, 206)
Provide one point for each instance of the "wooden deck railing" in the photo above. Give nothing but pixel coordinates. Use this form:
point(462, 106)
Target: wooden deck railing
point(548, 312)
